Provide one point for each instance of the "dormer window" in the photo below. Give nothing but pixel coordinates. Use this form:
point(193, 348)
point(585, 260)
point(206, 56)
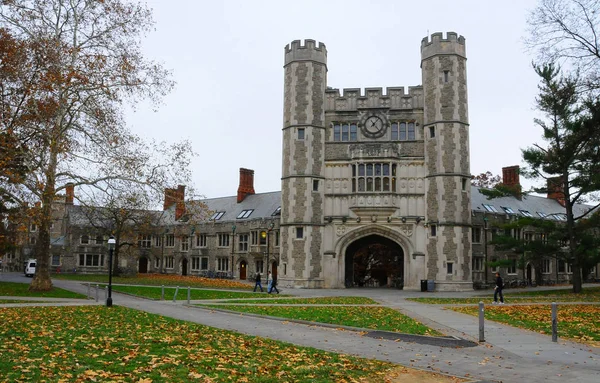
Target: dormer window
point(277, 212)
point(217, 216)
point(526, 213)
point(508, 210)
point(490, 208)
point(245, 214)
point(541, 214)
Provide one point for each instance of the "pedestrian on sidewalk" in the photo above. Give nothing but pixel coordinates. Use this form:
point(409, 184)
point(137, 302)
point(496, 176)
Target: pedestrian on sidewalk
point(269, 279)
point(273, 285)
point(498, 289)
point(257, 284)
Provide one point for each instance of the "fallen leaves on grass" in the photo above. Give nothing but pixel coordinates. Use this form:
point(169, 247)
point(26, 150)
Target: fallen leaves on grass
point(95, 343)
point(577, 322)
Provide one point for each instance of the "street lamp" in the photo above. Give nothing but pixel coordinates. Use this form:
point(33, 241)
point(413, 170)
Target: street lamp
point(111, 250)
point(232, 248)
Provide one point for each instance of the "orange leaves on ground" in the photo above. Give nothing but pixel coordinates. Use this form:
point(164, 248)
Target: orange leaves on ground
point(577, 322)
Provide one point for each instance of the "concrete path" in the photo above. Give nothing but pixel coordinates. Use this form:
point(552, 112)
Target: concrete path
point(508, 355)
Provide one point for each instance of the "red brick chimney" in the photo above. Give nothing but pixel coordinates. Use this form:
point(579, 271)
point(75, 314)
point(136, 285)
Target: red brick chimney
point(180, 204)
point(175, 197)
point(510, 178)
point(246, 184)
point(555, 187)
point(70, 191)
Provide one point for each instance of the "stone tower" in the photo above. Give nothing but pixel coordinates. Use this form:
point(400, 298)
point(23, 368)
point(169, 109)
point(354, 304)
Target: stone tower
point(446, 142)
point(302, 190)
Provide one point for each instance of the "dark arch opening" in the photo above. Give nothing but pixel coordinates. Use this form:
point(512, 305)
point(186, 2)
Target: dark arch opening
point(374, 261)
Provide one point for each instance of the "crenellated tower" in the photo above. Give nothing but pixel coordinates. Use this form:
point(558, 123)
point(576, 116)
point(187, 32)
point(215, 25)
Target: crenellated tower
point(446, 143)
point(302, 185)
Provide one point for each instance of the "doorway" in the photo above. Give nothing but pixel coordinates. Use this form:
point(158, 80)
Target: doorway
point(184, 266)
point(143, 265)
point(243, 268)
point(374, 261)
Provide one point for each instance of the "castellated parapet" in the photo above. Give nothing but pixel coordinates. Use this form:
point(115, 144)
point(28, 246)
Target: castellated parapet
point(355, 98)
point(309, 51)
point(438, 45)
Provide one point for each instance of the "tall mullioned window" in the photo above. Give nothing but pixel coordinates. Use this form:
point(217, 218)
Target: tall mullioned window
point(345, 132)
point(373, 177)
point(403, 131)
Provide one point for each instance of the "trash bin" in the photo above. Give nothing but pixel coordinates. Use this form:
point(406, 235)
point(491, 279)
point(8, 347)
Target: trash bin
point(430, 285)
point(423, 284)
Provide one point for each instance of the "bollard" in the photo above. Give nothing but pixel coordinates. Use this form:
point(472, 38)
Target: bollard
point(175, 296)
point(97, 292)
point(481, 325)
point(189, 294)
point(162, 293)
point(89, 290)
point(105, 293)
point(554, 322)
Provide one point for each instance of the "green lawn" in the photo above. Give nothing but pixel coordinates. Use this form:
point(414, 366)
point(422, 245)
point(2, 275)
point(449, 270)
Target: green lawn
point(376, 318)
point(95, 343)
point(153, 292)
point(159, 280)
point(588, 295)
point(310, 301)
point(14, 289)
point(577, 322)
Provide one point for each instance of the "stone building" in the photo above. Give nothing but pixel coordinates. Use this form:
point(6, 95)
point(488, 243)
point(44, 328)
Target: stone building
point(368, 167)
point(375, 191)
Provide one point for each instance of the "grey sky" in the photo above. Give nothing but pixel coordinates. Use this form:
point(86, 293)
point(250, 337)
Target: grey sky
point(227, 58)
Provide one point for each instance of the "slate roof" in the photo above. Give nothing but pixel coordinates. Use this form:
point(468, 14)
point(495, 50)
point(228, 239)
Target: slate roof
point(264, 206)
point(530, 203)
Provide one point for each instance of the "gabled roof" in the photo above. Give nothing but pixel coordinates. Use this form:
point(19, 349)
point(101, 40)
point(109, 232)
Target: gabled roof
point(263, 206)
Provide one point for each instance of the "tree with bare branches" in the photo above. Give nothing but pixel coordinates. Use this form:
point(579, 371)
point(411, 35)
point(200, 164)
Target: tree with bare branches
point(567, 32)
point(79, 62)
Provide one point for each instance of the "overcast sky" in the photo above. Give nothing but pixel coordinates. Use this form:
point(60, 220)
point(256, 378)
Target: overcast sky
point(227, 60)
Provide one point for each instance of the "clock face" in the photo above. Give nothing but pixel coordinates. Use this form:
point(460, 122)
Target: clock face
point(374, 125)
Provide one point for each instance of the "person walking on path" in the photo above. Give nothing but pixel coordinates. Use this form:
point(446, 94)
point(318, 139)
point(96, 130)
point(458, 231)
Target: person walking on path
point(273, 285)
point(257, 284)
point(498, 289)
point(269, 279)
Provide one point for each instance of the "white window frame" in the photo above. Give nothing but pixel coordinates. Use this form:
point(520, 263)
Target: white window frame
point(169, 262)
point(170, 240)
point(512, 268)
point(243, 242)
point(223, 240)
point(184, 245)
point(200, 240)
point(223, 264)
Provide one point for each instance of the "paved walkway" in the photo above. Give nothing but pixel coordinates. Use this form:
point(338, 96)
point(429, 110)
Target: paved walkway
point(508, 355)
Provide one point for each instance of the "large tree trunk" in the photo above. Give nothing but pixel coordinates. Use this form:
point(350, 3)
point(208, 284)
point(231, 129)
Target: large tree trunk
point(577, 282)
point(41, 280)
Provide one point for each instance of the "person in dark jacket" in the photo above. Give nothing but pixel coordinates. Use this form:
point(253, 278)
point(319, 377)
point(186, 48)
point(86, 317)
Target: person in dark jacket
point(257, 284)
point(273, 285)
point(498, 289)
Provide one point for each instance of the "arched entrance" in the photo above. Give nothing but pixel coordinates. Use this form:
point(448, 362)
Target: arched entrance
point(529, 273)
point(374, 261)
point(143, 265)
point(184, 266)
point(243, 269)
point(274, 269)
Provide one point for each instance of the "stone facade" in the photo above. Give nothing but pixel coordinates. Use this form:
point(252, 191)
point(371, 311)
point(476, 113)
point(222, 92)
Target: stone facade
point(366, 166)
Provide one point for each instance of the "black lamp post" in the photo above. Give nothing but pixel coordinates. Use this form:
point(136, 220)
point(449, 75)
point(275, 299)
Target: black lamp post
point(268, 240)
point(232, 248)
point(111, 250)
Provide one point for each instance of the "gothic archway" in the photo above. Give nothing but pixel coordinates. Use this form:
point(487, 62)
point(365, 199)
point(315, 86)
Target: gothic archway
point(374, 261)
